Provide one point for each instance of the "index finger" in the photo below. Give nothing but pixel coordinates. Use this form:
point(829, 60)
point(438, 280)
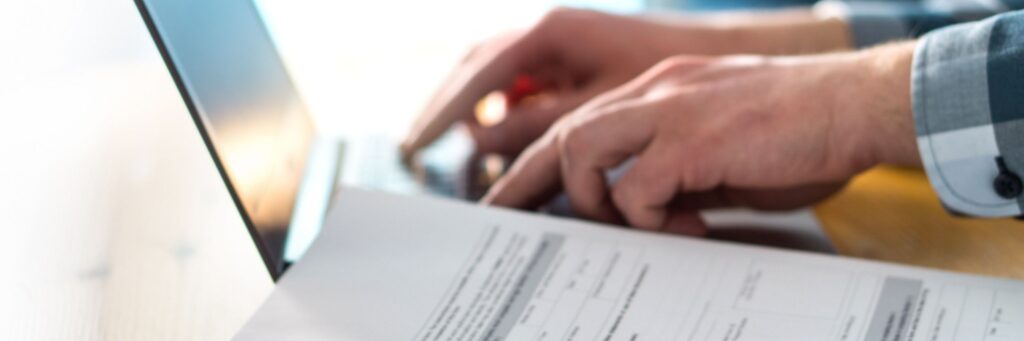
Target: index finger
point(531, 179)
point(488, 68)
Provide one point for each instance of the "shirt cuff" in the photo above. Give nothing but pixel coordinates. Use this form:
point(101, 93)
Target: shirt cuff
point(967, 90)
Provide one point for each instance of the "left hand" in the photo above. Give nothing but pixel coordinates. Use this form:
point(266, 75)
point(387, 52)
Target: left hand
point(578, 54)
point(763, 132)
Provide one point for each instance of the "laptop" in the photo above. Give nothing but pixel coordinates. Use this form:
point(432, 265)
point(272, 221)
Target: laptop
point(281, 172)
point(383, 266)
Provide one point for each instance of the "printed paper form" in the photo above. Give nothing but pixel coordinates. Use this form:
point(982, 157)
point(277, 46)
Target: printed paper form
point(551, 287)
point(435, 270)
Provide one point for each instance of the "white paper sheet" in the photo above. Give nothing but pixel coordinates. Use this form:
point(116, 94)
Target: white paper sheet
point(391, 267)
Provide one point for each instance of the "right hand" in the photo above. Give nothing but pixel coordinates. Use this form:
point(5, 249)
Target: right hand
point(584, 52)
point(750, 131)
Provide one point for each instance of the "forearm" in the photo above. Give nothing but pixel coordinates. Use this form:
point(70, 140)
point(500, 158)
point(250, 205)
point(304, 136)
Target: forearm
point(779, 32)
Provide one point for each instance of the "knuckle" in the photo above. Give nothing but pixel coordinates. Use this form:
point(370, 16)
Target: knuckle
point(556, 16)
point(573, 141)
point(671, 64)
point(568, 18)
point(675, 65)
point(628, 194)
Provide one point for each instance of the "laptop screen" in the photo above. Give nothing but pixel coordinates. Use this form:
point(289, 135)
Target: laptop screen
point(239, 92)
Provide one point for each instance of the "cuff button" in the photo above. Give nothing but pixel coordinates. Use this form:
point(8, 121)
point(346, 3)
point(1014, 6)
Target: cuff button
point(1008, 185)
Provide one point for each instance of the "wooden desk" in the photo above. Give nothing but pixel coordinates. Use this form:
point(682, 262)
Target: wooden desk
point(892, 214)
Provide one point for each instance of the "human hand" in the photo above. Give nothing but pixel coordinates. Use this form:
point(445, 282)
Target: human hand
point(578, 54)
point(762, 132)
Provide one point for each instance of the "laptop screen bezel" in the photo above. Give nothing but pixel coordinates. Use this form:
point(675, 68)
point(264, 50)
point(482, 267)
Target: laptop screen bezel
point(274, 264)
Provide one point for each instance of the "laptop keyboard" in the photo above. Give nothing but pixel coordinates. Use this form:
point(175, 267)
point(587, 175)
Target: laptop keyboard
point(374, 162)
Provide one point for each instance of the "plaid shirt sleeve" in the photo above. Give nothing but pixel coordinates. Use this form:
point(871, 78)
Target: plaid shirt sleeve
point(968, 101)
point(874, 22)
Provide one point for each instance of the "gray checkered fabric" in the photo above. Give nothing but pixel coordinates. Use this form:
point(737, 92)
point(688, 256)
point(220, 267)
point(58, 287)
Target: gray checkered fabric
point(874, 22)
point(968, 97)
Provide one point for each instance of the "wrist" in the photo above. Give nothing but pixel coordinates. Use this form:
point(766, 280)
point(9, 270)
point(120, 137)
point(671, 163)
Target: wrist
point(882, 103)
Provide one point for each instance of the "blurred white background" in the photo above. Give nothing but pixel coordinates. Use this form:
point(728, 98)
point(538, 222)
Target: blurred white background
point(115, 222)
point(369, 66)
point(349, 57)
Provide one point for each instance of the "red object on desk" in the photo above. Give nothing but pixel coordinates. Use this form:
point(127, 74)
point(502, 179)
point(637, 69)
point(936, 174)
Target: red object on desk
point(523, 86)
